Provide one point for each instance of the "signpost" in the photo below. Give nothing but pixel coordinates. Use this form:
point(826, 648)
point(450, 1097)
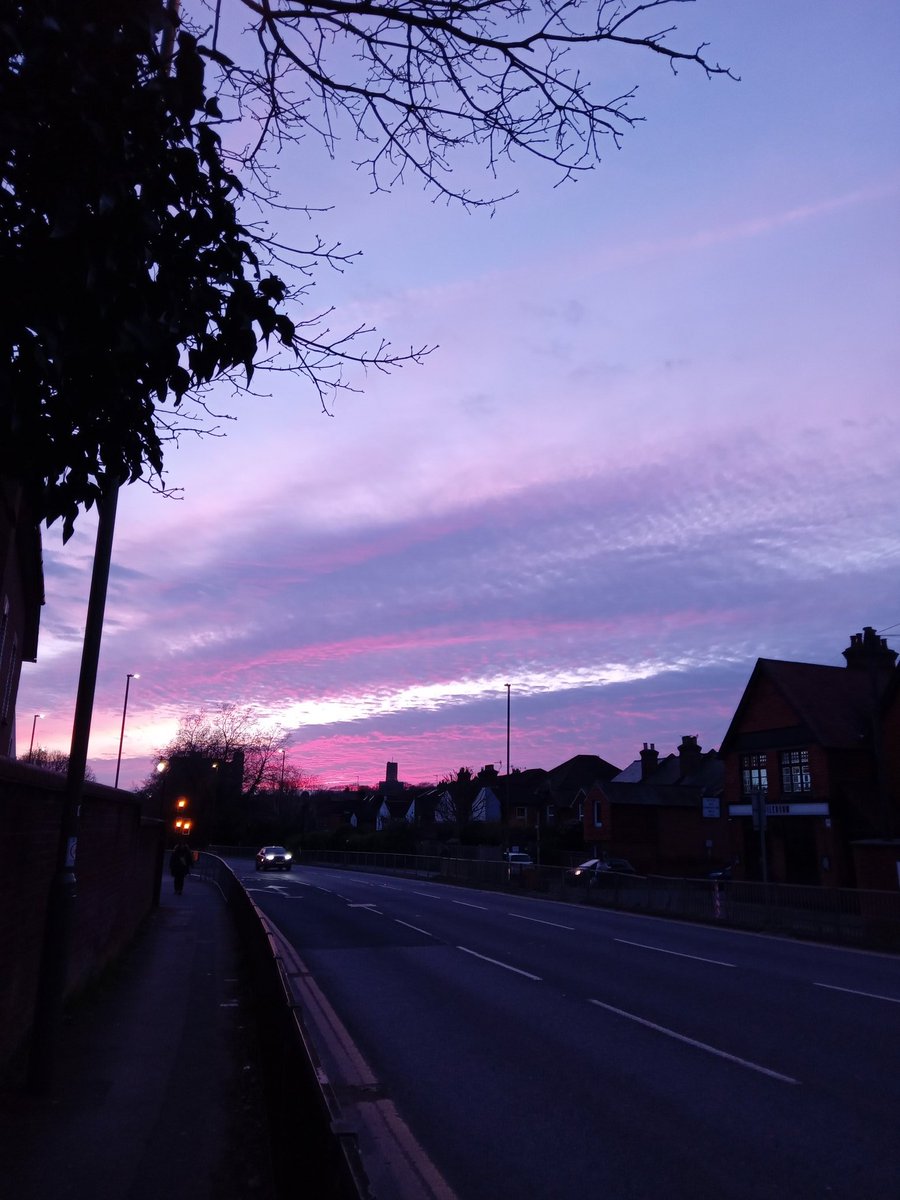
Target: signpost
point(758, 804)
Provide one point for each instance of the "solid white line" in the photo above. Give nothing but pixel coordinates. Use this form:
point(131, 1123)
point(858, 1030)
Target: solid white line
point(415, 927)
point(537, 921)
point(717, 962)
point(465, 904)
point(853, 992)
point(497, 963)
point(430, 895)
point(680, 1037)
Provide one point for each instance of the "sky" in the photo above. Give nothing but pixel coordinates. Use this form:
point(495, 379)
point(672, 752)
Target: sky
point(658, 439)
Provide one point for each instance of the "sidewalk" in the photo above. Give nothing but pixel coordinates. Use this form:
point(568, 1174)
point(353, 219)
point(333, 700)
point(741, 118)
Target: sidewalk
point(156, 1090)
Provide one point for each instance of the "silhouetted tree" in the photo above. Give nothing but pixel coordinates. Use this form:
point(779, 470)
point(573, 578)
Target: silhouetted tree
point(131, 281)
point(52, 760)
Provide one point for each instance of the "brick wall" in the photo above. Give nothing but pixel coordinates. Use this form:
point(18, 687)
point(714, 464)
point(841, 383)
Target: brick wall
point(117, 871)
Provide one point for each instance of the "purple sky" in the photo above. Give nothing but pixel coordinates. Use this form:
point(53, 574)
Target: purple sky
point(659, 439)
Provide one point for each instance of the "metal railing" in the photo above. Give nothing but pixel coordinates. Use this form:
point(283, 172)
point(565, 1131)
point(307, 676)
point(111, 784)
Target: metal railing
point(306, 1136)
point(841, 915)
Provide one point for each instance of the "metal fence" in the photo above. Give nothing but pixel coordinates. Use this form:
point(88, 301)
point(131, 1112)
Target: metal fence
point(841, 915)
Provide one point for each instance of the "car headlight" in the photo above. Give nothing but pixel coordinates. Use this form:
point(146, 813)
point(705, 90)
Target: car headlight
point(289, 856)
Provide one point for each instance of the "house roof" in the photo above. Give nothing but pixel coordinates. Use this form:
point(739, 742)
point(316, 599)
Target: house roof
point(654, 795)
point(833, 705)
point(578, 772)
point(708, 773)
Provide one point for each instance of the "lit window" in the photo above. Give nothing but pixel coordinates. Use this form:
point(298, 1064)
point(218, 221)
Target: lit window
point(795, 775)
point(754, 773)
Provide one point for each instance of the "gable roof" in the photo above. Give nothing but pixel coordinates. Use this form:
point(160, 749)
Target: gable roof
point(582, 770)
point(834, 705)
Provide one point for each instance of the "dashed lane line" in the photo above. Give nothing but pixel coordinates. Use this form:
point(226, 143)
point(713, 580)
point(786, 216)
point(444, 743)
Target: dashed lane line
point(538, 921)
point(716, 962)
point(415, 927)
point(680, 1037)
point(498, 963)
point(853, 992)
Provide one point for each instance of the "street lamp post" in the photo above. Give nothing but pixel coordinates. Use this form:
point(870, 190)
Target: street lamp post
point(506, 815)
point(128, 678)
point(283, 752)
point(37, 717)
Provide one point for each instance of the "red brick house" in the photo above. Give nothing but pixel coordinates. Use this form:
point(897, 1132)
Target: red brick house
point(810, 742)
point(665, 815)
point(21, 597)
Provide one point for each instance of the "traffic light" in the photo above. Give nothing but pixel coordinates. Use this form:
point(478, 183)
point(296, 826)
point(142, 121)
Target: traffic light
point(183, 823)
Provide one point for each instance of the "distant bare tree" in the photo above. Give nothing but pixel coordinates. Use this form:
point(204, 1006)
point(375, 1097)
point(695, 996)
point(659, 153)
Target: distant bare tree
point(221, 733)
point(52, 760)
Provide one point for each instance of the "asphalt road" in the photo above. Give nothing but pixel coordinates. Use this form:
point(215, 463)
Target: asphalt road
point(540, 1050)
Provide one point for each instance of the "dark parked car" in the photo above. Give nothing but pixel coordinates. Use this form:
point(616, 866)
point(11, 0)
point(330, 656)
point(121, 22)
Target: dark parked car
point(588, 872)
point(274, 858)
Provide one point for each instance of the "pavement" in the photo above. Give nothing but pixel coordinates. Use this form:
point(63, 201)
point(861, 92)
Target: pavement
point(156, 1088)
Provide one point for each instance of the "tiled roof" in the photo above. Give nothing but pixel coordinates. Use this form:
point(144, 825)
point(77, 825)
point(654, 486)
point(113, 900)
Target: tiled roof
point(834, 704)
point(655, 795)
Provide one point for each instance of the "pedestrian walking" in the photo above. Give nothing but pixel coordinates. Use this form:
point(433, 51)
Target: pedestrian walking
point(180, 861)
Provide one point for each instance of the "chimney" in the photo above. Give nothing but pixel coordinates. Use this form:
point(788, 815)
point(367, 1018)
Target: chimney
point(869, 652)
point(689, 755)
point(649, 760)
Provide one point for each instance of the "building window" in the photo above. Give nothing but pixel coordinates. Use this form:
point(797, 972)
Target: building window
point(754, 773)
point(795, 775)
point(521, 812)
point(598, 814)
point(551, 814)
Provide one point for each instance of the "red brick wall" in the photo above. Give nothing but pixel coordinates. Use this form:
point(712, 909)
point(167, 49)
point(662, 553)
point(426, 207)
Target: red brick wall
point(119, 858)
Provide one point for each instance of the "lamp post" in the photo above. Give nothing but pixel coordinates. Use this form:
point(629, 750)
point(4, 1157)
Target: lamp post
point(508, 687)
point(283, 752)
point(128, 678)
point(37, 717)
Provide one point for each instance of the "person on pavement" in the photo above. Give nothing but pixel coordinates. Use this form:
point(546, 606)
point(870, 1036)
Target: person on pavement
point(180, 861)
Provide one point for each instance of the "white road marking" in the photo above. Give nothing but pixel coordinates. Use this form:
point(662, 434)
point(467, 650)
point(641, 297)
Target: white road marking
point(853, 992)
point(680, 1037)
point(370, 906)
point(465, 904)
point(497, 963)
point(538, 921)
point(717, 962)
point(415, 927)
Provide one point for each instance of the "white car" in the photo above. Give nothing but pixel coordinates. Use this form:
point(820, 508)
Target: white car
point(517, 862)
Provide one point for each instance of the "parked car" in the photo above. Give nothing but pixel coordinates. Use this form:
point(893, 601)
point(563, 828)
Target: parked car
point(587, 872)
point(722, 872)
point(274, 858)
point(517, 862)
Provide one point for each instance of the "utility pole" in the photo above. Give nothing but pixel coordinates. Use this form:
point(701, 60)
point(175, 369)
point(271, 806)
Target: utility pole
point(506, 814)
point(59, 922)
